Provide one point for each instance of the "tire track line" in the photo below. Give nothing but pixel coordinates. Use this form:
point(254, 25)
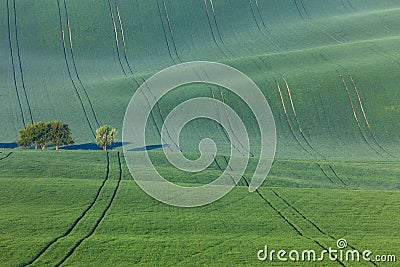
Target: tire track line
point(288, 120)
point(304, 137)
point(170, 30)
point(69, 70)
point(218, 31)
point(287, 220)
point(165, 33)
point(304, 8)
point(13, 63)
point(337, 176)
point(356, 117)
point(230, 123)
point(269, 35)
point(212, 30)
point(99, 220)
point(116, 37)
point(297, 119)
point(75, 67)
point(313, 224)
point(220, 119)
point(123, 37)
point(20, 62)
point(270, 39)
point(298, 10)
point(6, 156)
point(220, 116)
point(77, 220)
point(129, 65)
point(326, 175)
point(366, 119)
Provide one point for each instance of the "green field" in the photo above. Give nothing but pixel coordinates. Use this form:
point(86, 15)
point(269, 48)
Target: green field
point(330, 72)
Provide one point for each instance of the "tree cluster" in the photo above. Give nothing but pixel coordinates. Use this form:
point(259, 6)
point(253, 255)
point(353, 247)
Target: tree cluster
point(45, 133)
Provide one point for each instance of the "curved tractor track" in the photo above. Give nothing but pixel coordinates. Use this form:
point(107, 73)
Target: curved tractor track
point(51, 247)
point(25, 118)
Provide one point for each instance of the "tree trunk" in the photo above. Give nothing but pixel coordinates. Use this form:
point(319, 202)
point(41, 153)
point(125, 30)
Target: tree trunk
point(36, 147)
point(57, 147)
point(43, 147)
point(105, 147)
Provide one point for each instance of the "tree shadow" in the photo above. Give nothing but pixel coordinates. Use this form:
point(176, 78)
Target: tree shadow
point(91, 146)
point(8, 145)
point(147, 148)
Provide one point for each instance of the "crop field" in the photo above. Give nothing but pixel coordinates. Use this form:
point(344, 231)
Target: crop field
point(330, 74)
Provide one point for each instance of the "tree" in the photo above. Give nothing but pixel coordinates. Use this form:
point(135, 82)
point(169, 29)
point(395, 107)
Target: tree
point(26, 136)
point(36, 134)
point(43, 133)
point(105, 136)
point(60, 134)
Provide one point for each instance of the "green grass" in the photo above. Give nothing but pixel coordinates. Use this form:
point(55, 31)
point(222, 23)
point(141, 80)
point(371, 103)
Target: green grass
point(139, 230)
point(361, 40)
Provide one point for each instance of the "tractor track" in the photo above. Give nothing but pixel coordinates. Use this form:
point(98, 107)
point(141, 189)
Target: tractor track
point(116, 37)
point(100, 219)
point(287, 220)
point(20, 62)
point(230, 123)
point(75, 67)
point(305, 138)
point(325, 174)
point(356, 117)
point(129, 65)
point(170, 30)
point(77, 220)
point(123, 37)
point(226, 114)
point(313, 224)
point(165, 33)
point(298, 10)
point(6, 156)
point(270, 39)
point(288, 120)
point(217, 29)
point(292, 225)
point(297, 119)
point(13, 64)
point(366, 119)
point(302, 133)
point(69, 70)
point(212, 30)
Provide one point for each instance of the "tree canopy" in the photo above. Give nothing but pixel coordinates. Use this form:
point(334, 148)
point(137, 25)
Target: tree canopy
point(105, 136)
point(44, 133)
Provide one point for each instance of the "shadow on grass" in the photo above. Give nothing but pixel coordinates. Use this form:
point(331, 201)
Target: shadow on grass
point(147, 148)
point(91, 146)
point(8, 145)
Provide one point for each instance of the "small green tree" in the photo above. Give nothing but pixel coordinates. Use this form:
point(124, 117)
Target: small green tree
point(60, 134)
point(36, 135)
point(26, 136)
point(105, 136)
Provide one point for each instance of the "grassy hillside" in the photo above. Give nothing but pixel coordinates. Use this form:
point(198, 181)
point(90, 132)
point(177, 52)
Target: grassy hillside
point(307, 42)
